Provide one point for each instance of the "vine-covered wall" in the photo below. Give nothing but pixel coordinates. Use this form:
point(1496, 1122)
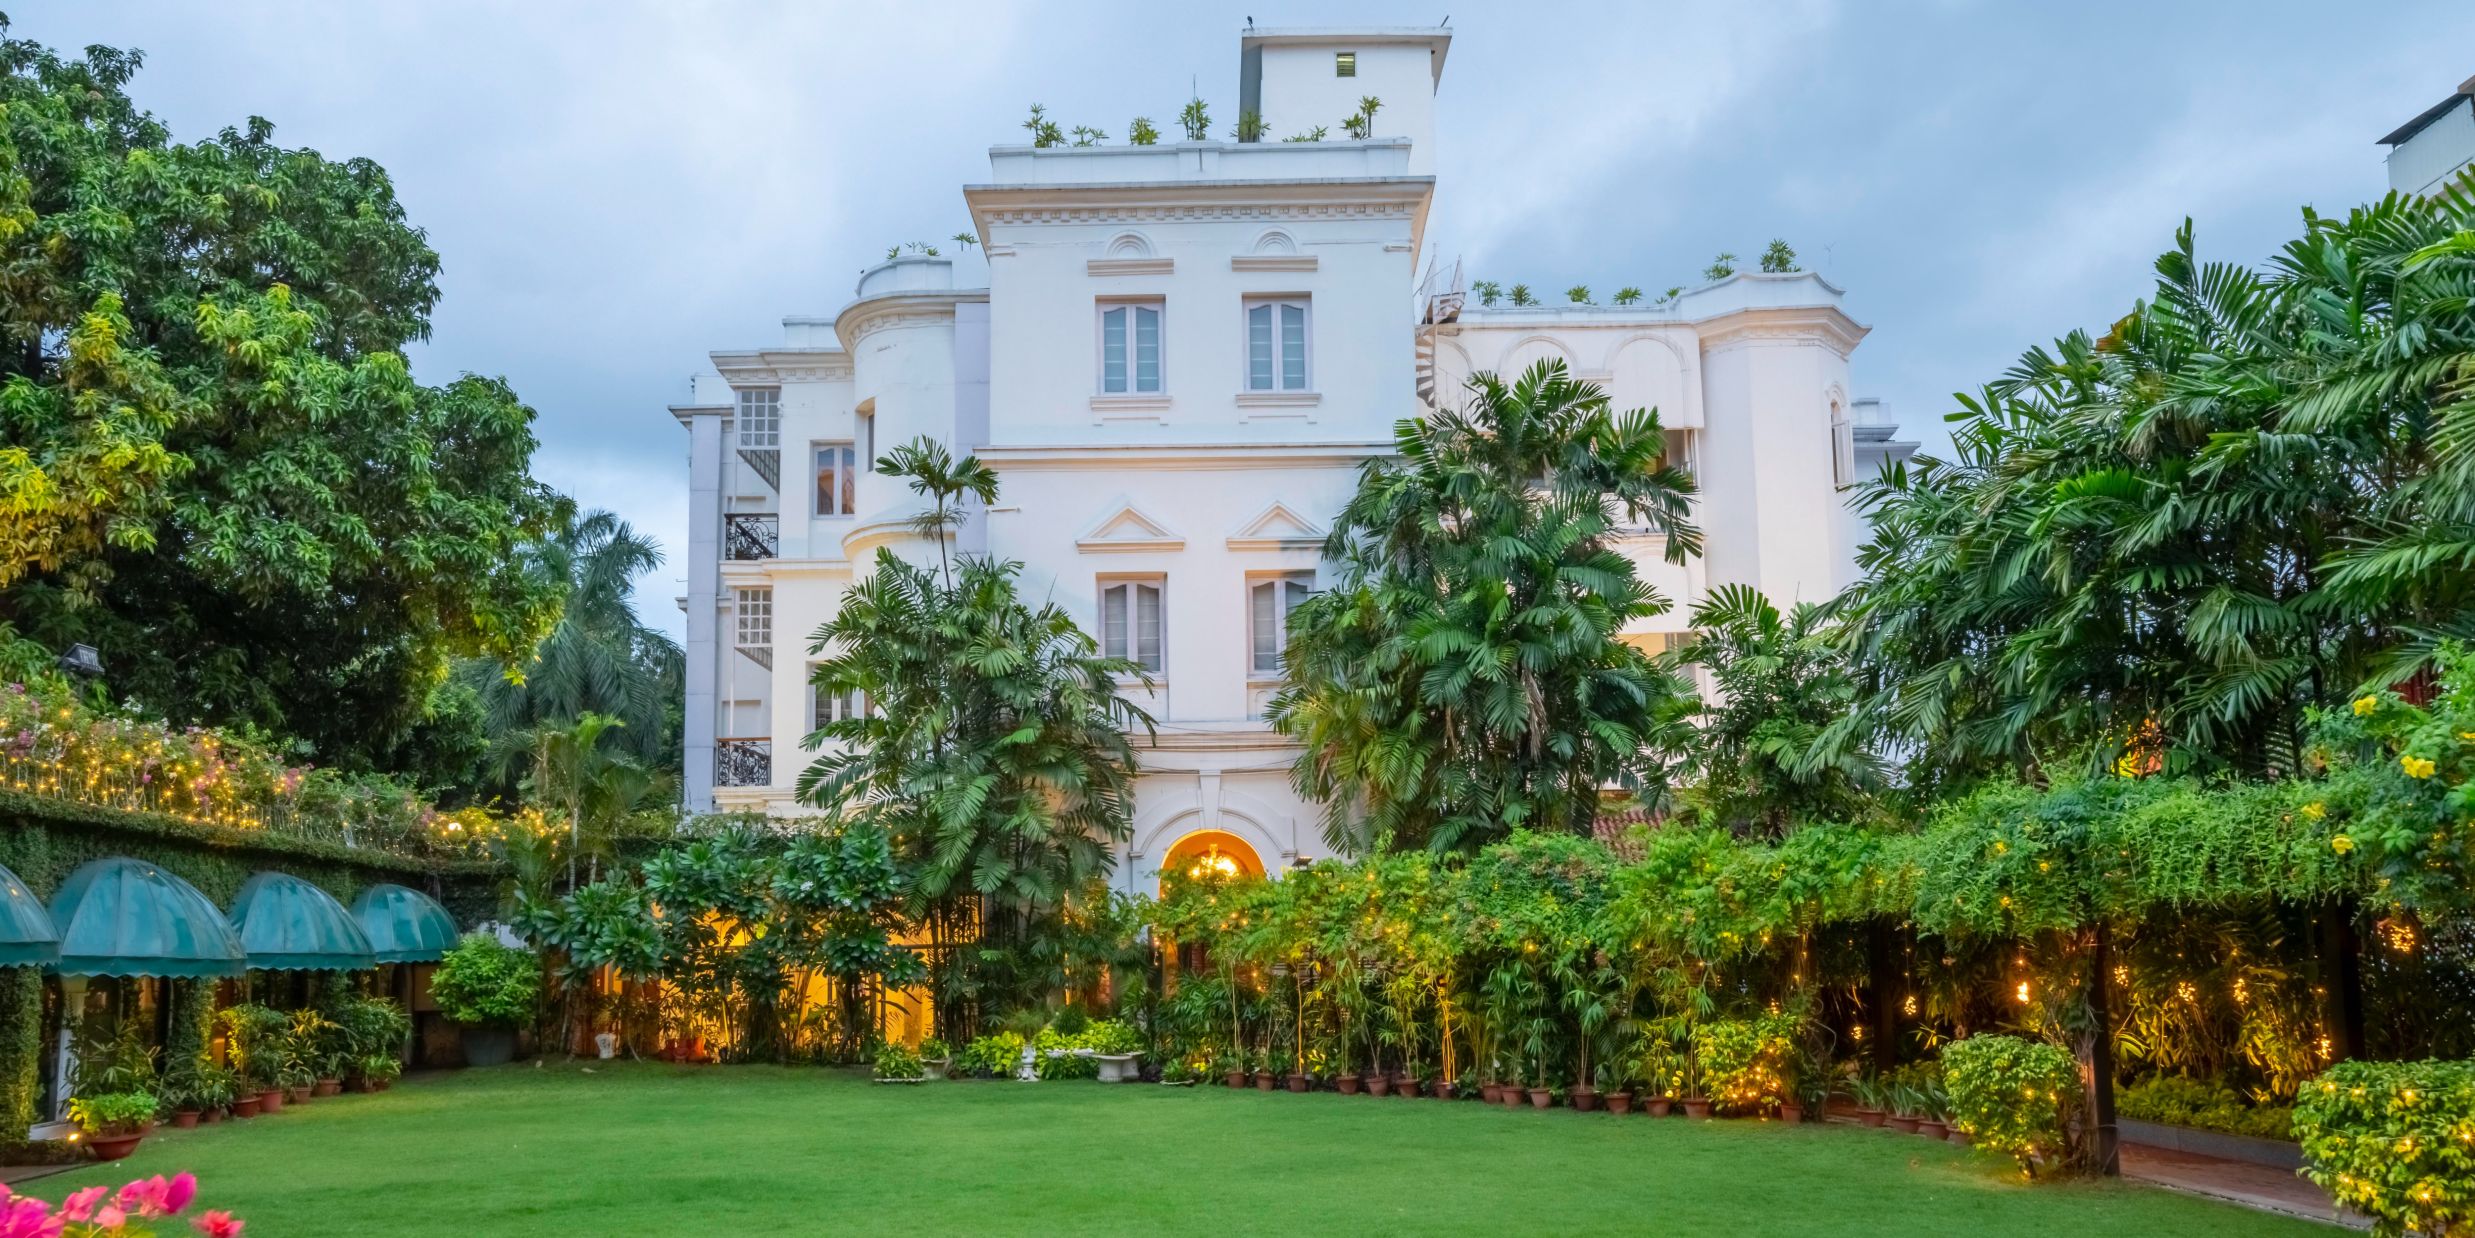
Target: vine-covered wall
point(21, 1050)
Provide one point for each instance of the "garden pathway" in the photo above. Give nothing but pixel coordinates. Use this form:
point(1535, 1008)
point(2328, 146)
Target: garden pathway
point(2253, 1186)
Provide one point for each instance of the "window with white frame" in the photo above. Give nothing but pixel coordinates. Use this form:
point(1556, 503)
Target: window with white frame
point(753, 609)
point(1129, 347)
point(837, 480)
point(1268, 603)
point(1842, 447)
point(1130, 622)
point(824, 706)
point(1276, 345)
point(760, 416)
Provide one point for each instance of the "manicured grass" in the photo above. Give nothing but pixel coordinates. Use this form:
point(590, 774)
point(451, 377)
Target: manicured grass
point(657, 1150)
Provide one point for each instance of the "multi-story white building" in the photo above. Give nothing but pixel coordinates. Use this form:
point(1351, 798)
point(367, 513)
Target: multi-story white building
point(2428, 152)
point(1182, 356)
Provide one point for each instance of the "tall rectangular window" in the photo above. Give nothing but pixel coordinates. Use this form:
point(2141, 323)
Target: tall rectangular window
point(1129, 348)
point(1276, 345)
point(1842, 447)
point(837, 479)
point(1130, 622)
point(1345, 64)
point(1268, 605)
point(760, 416)
point(753, 609)
point(824, 707)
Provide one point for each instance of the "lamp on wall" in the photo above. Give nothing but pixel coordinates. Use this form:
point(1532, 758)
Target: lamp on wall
point(81, 661)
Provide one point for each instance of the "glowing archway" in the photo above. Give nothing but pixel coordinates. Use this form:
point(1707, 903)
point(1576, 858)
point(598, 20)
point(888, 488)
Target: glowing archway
point(1209, 852)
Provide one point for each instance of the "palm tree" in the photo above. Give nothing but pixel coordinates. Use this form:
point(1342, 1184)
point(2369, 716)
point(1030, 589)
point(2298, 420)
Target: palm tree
point(1783, 731)
point(1465, 678)
point(601, 659)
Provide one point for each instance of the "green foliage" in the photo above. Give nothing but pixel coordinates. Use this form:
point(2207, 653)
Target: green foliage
point(933, 1049)
point(21, 1046)
point(1142, 132)
point(1522, 296)
point(1249, 127)
point(1044, 134)
point(1744, 1062)
point(371, 1027)
point(2013, 1096)
point(1315, 134)
point(1578, 294)
point(1463, 678)
point(2394, 1141)
point(217, 466)
point(1056, 1057)
point(1111, 1036)
point(1720, 268)
point(994, 1056)
point(258, 1041)
point(1628, 295)
point(1361, 123)
point(481, 982)
point(1783, 738)
point(1489, 291)
point(1778, 258)
point(1084, 135)
point(894, 1061)
point(112, 1113)
point(1196, 120)
point(2179, 1100)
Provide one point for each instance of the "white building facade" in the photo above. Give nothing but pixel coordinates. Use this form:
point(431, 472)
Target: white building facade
point(1181, 358)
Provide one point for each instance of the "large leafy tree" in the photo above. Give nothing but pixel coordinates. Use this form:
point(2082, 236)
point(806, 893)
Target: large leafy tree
point(214, 462)
point(1783, 731)
point(996, 751)
point(2162, 545)
point(1464, 678)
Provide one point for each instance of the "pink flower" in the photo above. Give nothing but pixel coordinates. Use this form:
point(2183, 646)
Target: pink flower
point(155, 1197)
point(80, 1205)
point(23, 1217)
point(109, 1217)
point(218, 1225)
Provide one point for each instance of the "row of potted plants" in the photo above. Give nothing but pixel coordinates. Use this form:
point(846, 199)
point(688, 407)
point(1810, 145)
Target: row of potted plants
point(274, 1057)
point(1911, 1099)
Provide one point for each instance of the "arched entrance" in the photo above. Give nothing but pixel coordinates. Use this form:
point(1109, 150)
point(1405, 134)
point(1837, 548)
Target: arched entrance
point(1207, 853)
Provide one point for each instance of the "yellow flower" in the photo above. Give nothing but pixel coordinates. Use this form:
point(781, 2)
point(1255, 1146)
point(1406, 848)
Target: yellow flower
point(2315, 810)
point(2415, 767)
point(2341, 844)
point(2364, 705)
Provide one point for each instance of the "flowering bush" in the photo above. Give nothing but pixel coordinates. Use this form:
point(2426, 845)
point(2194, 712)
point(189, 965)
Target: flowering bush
point(1743, 1061)
point(2012, 1095)
point(2401, 787)
point(98, 1211)
point(2394, 1141)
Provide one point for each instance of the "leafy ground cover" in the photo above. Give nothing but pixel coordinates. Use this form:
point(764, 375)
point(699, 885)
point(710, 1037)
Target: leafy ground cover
point(657, 1150)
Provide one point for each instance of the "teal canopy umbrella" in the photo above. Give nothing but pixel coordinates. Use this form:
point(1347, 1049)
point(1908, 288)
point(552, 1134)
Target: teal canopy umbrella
point(124, 917)
point(404, 925)
point(287, 924)
point(26, 933)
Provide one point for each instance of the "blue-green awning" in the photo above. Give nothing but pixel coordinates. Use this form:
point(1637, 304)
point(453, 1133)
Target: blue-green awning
point(404, 925)
point(287, 924)
point(26, 933)
point(124, 917)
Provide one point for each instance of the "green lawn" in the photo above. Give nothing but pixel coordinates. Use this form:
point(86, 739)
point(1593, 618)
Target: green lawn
point(657, 1150)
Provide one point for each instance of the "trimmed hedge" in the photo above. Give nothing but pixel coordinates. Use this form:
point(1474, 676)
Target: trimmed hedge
point(2012, 1095)
point(2394, 1141)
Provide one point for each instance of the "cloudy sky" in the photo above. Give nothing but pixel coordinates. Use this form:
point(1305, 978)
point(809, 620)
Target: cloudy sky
point(618, 188)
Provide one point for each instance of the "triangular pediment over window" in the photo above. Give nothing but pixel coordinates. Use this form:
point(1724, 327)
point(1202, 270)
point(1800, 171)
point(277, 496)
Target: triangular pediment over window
point(1277, 528)
point(1128, 528)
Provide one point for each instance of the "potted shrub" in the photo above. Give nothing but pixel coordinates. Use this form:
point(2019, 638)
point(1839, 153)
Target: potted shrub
point(896, 1063)
point(112, 1123)
point(1933, 1103)
point(1512, 1094)
point(489, 989)
point(215, 1091)
point(1872, 1097)
point(1233, 1072)
point(1348, 1083)
point(179, 1095)
point(1178, 1074)
point(936, 1061)
point(1118, 1049)
point(1490, 1093)
point(1905, 1099)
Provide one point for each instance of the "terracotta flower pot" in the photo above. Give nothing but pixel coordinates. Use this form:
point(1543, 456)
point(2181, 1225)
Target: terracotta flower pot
point(328, 1087)
point(1871, 1117)
point(271, 1101)
point(1406, 1085)
point(1584, 1098)
point(1264, 1082)
point(1619, 1103)
point(184, 1119)
point(1659, 1106)
point(1541, 1098)
point(1234, 1079)
point(1696, 1106)
point(1441, 1089)
point(1514, 1097)
point(1960, 1137)
point(1297, 1081)
point(1902, 1123)
point(1932, 1128)
point(360, 1083)
point(113, 1147)
point(246, 1106)
point(296, 1096)
point(1379, 1085)
point(1791, 1112)
point(212, 1116)
point(1491, 1092)
point(1348, 1084)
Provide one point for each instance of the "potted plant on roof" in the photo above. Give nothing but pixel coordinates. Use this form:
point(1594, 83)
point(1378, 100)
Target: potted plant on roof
point(110, 1124)
point(488, 988)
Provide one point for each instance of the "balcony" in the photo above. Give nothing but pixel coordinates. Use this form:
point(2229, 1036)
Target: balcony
point(743, 763)
point(749, 536)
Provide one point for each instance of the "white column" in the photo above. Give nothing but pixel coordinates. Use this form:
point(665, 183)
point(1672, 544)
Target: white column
point(704, 581)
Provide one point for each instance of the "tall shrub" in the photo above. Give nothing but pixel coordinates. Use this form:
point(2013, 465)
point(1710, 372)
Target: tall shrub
point(2013, 1096)
point(2396, 1142)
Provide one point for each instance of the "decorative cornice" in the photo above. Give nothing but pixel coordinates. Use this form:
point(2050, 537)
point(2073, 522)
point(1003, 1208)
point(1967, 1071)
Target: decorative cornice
point(774, 366)
point(1130, 266)
point(1199, 212)
point(862, 319)
point(1126, 529)
point(1277, 527)
point(1273, 262)
point(1795, 325)
point(1279, 399)
point(1169, 457)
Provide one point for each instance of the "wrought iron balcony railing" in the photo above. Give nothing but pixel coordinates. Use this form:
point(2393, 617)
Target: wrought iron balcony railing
point(751, 535)
point(743, 763)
